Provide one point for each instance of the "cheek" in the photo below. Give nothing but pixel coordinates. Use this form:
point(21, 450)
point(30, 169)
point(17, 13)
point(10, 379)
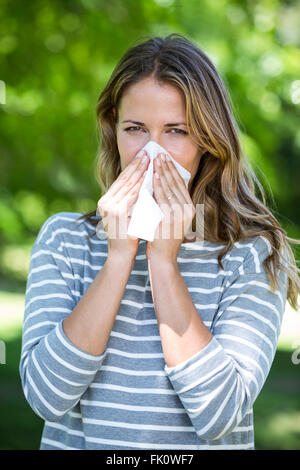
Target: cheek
point(188, 157)
point(127, 149)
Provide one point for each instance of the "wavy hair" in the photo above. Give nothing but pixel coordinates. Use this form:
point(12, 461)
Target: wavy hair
point(225, 181)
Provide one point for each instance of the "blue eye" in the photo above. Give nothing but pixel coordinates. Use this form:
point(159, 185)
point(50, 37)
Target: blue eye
point(180, 131)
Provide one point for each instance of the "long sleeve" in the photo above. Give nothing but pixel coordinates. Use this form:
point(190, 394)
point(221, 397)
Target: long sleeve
point(54, 372)
point(218, 385)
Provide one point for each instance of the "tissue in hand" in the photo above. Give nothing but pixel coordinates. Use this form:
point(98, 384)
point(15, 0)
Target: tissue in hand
point(145, 215)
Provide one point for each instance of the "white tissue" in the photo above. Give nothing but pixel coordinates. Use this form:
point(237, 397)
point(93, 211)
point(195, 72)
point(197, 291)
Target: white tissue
point(145, 215)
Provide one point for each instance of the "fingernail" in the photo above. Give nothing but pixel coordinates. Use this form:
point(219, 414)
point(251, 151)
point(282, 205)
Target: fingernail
point(144, 158)
point(162, 157)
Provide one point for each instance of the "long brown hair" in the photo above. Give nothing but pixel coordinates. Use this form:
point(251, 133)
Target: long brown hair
point(225, 181)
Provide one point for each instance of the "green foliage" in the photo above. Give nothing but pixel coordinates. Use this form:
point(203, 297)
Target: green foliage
point(55, 58)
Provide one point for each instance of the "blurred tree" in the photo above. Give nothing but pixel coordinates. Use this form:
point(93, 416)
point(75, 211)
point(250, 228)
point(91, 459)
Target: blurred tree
point(55, 58)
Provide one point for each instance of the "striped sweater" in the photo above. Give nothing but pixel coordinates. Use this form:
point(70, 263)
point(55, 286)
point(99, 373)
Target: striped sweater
point(128, 398)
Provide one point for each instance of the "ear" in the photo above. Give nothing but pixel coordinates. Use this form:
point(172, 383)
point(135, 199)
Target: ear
point(114, 112)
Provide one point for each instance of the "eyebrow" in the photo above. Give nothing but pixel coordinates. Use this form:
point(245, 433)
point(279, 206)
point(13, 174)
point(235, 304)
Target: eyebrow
point(170, 124)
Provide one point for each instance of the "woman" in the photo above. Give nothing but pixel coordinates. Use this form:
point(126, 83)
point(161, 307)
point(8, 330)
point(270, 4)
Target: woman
point(129, 344)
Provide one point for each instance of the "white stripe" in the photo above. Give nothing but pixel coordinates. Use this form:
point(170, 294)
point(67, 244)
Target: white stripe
point(136, 426)
point(235, 416)
point(246, 343)
point(141, 305)
point(206, 401)
point(197, 260)
point(48, 296)
point(42, 399)
point(138, 373)
point(206, 291)
point(32, 340)
point(138, 288)
point(218, 412)
point(243, 368)
point(121, 353)
point(243, 429)
point(191, 289)
point(65, 363)
point(63, 379)
point(80, 247)
point(85, 263)
point(50, 385)
point(83, 280)
point(54, 219)
point(38, 325)
point(133, 321)
point(259, 284)
point(83, 234)
point(256, 259)
point(200, 246)
point(180, 370)
point(133, 304)
point(154, 321)
point(204, 378)
point(135, 338)
point(119, 406)
point(255, 299)
point(47, 282)
point(77, 351)
point(267, 242)
point(62, 427)
point(248, 327)
point(252, 313)
point(206, 274)
point(45, 310)
point(44, 267)
point(52, 253)
point(151, 391)
point(53, 443)
point(140, 445)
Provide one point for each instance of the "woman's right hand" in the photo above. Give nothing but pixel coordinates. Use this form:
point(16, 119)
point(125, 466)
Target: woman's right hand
point(115, 204)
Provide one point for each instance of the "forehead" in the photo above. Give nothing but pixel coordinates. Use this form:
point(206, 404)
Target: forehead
point(148, 94)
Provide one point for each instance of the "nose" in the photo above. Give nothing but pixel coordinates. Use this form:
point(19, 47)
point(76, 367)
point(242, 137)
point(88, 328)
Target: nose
point(155, 137)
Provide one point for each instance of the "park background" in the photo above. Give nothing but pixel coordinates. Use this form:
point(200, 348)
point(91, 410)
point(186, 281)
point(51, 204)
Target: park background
point(55, 58)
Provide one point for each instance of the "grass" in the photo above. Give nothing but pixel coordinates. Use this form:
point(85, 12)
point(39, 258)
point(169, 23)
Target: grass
point(276, 410)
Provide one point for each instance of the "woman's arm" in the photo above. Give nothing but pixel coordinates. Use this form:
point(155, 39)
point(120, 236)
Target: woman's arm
point(218, 376)
point(56, 367)
point(182, 331)
point(89, 325)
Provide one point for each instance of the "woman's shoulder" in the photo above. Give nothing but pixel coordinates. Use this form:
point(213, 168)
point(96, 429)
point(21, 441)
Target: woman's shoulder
point(248, 255)
point(64, 227)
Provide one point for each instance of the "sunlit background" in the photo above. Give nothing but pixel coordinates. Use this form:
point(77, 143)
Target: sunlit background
point(55, 58)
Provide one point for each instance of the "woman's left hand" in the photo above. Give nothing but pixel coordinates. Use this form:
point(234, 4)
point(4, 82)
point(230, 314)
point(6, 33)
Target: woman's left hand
point(178, 210)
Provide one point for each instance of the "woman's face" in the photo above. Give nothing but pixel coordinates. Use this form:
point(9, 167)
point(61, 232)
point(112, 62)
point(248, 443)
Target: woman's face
point(154, 107)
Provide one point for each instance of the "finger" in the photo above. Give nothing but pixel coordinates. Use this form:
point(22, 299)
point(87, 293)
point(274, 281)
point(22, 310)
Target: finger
point(159, 184)
point(132, 195)
point(169, 183)
point(137, 165)
point(178, 178)
point(126, 185)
